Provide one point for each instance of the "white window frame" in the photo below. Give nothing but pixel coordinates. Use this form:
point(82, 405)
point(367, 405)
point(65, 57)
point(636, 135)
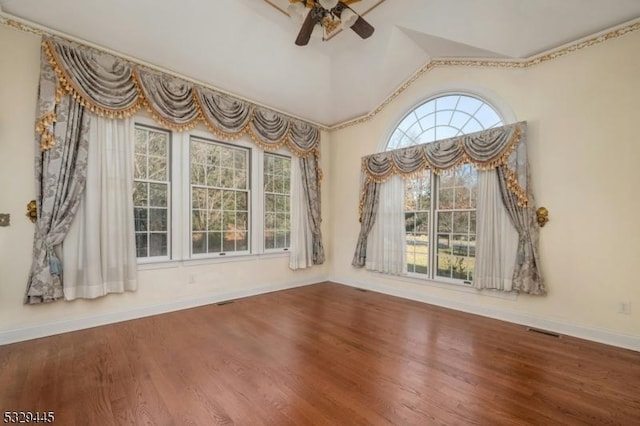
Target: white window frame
point(180, 199)
point(288, 156)
point(151, 125)
point(506, 116)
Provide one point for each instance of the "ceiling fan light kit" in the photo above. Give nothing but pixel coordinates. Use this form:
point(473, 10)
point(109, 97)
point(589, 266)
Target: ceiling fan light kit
point(322, 18)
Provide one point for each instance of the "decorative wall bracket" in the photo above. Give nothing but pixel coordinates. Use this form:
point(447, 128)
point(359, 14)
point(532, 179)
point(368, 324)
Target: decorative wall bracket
point(32, 211)
point(542, 216)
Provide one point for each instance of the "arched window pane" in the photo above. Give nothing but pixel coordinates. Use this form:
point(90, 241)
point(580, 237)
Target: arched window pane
point(448, 213)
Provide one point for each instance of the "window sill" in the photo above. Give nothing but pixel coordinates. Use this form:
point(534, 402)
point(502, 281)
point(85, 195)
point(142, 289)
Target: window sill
point(210, 260)
point(454, 286)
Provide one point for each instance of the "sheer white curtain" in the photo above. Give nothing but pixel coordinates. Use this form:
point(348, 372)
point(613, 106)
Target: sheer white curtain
point(301, 250)
point(386, 244)
point(99, 253)
point(496, 237)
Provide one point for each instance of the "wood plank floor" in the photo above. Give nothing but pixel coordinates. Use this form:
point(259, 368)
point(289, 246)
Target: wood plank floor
point(322, 354)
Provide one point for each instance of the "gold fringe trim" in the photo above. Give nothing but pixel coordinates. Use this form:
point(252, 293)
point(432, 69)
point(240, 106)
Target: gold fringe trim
point(211, 126)
point(515, 188)
point(501, 159)
point(66, 83)
point(47, 138)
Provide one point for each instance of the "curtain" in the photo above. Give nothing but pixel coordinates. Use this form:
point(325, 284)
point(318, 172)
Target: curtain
point(503, 149)
point(60, 173)
point(99, 250)
point(368, 215)
point(496, 237)
point(310, 173)
point(386, 245)
point(301, 236)
point(527, 277)
point(114, 87)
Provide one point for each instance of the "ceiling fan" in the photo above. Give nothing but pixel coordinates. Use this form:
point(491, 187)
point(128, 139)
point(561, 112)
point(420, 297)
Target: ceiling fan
point(326, 16)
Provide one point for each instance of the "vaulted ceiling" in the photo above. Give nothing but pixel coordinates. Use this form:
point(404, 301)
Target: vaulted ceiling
point(246, 47)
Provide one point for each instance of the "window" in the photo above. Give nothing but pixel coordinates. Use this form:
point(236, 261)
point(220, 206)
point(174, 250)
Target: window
point(277, 218)
point(219, 197)
point(442, 206)
point(151, 193)
point(196, 197)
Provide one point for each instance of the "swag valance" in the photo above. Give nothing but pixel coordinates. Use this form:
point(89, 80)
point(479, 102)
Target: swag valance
point(485, 150)
point(113, 87)
point(502, 149)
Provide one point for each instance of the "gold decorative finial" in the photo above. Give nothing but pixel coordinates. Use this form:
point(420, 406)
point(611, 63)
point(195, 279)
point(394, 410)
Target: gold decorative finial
point(542, 216)
point(32, 211)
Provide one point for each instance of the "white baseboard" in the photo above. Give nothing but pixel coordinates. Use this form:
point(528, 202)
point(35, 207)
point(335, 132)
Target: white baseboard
point(563, 327)
point(599, 335)
point(64, 326)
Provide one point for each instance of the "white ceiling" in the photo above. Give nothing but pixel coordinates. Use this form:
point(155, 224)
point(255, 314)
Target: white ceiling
point(246, 47)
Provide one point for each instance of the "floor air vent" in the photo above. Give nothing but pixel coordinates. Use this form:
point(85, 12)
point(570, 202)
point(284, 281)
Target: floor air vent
point(361, 289)
point(226, 302)
point(545, 332)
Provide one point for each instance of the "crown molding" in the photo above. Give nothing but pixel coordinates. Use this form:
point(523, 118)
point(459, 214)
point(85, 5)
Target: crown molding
point(537, 59)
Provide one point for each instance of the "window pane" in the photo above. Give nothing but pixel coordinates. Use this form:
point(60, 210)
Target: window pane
point(445, 222)
point(140, 194)
point(198, 174)
point(213, 175)
point(158, 194)
point(277, 176)
point(151, 192)
point(140, 219)
point(199, 242)
point(241, 201)
point(218, 179)
point(215, 242)
point(140, 171)
point(158, 144)
point(214, 200)
point(454, 212)
point(141, 245)
point(214, 221)
point(461, 222)
point(140, 136)
point(157, 168)
point(199, 198)
point(157, 219)
point(198, 220)
point(158, 244)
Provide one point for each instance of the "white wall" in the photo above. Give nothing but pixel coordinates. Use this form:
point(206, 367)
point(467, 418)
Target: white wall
point(160, 290)
point(583, 113)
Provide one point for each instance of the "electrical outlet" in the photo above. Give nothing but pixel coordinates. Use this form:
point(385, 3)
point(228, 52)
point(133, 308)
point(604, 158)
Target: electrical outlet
point(5, 219)
point(624, 308)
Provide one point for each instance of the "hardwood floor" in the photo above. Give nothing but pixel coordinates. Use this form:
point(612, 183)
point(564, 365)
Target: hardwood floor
point(322, 354)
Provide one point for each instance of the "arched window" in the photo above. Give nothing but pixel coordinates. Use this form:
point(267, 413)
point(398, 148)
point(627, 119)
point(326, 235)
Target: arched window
point(440, 211)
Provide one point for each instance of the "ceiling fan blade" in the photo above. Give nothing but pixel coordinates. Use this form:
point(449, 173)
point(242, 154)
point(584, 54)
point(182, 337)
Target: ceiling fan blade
point(307, 28)
point(362, 28)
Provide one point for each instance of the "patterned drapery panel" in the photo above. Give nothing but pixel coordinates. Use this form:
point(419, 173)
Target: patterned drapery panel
point(115, 88)
point(368, 213)
point(502, 148)
point(60, 173)
point(311, 177)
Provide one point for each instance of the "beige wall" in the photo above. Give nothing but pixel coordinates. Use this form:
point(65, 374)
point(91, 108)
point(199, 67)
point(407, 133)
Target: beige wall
point(583, 113)
point(159, 289)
